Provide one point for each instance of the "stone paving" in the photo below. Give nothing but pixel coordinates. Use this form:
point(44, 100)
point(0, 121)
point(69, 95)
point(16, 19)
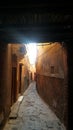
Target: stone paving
point(33, 114)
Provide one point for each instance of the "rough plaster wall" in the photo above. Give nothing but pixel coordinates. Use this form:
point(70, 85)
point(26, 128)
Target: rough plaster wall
point(25, 74)
point(5, 78)
point(53, 86)
point(51, 55)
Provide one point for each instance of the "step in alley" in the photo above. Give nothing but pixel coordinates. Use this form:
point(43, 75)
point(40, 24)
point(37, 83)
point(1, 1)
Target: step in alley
point(32, 113)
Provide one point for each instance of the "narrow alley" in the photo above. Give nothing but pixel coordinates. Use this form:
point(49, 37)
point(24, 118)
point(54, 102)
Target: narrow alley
point(36, 66)
point(20, 103)
point(32, 113)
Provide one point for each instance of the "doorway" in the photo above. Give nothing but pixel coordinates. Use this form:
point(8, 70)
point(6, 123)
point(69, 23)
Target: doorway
point(14, 85)
point(20, 77)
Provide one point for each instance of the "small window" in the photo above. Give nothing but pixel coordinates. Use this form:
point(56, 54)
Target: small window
point(52, 69)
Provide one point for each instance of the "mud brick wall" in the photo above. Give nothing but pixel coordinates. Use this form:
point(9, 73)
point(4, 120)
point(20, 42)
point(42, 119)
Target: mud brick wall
point(5, 79)
point(51, 79)
point(54, 94)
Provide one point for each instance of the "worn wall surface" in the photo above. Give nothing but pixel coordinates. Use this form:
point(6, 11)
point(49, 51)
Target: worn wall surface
point(24, 74)
point(51, 71)
point(5, 78)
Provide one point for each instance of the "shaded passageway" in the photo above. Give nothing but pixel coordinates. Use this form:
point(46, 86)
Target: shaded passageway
point(33, 114)
point(50, 26)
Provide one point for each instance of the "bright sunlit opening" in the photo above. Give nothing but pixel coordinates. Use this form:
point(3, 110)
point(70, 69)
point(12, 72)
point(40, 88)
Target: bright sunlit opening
point(32, 52)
